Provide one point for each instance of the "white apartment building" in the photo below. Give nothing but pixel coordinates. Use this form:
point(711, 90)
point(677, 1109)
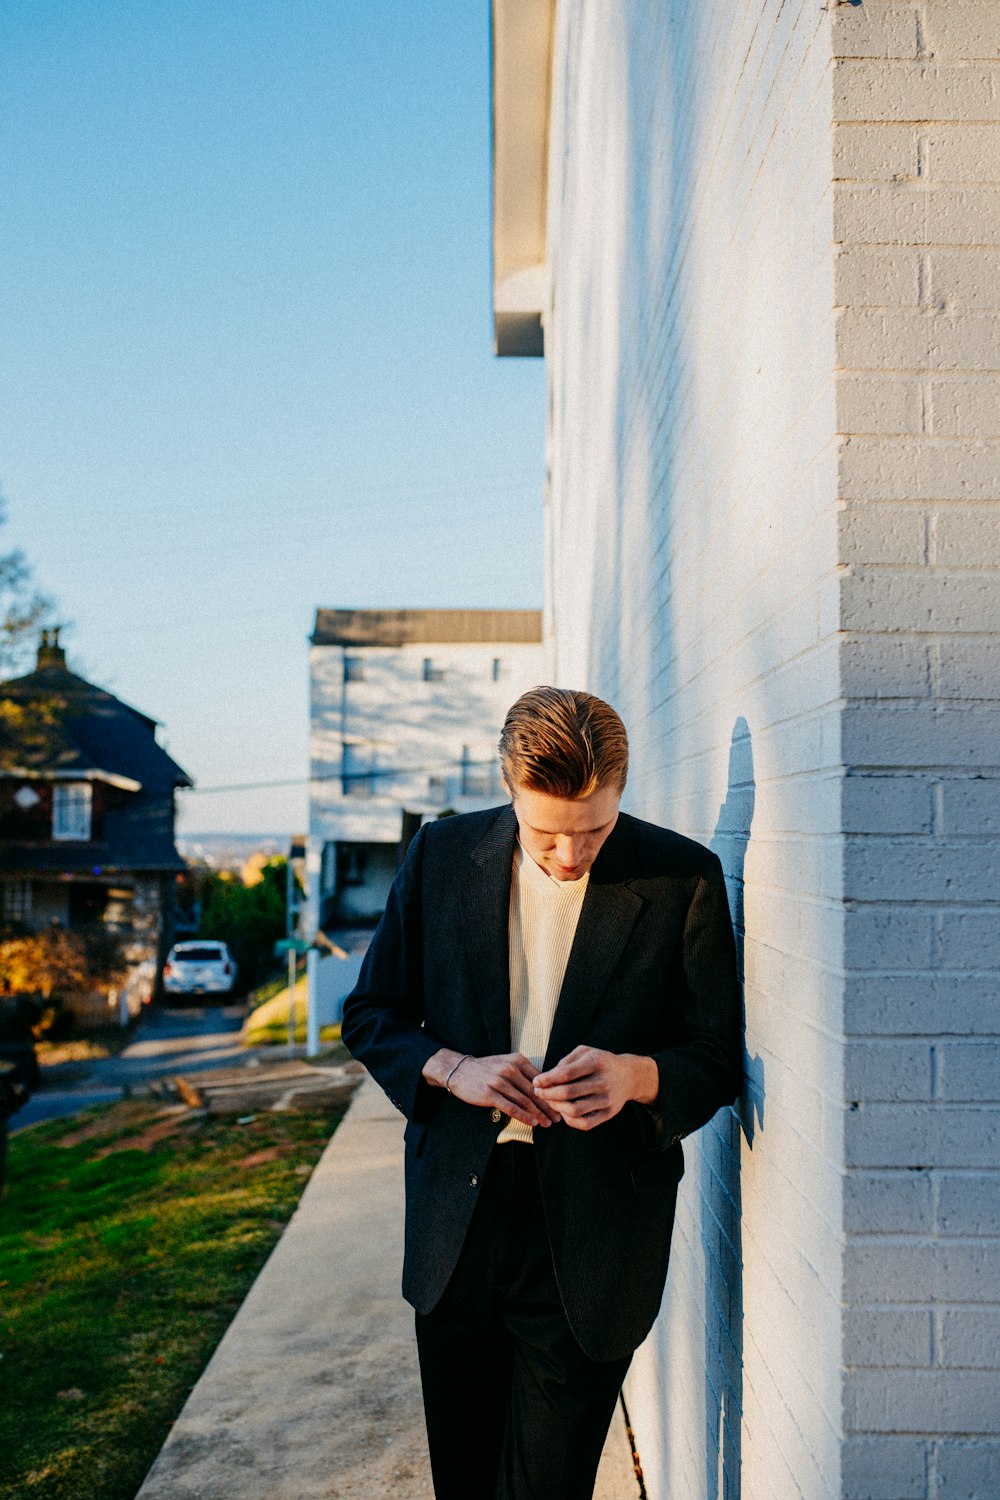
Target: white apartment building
point(406, 710)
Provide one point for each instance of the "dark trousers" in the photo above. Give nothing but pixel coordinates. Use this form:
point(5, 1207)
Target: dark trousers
point(515, 1410)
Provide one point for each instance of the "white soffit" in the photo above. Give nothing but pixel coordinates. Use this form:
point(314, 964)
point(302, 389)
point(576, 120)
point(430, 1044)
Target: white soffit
point(522, 33)
point(110, 778)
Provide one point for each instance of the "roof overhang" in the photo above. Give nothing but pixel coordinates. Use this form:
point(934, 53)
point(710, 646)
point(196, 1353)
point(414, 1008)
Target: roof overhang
point(440, 627)
point(19, 865)
point(521, 73)
point(110, 778)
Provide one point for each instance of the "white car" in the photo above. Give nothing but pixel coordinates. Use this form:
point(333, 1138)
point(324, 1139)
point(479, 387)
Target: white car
point(199, 968)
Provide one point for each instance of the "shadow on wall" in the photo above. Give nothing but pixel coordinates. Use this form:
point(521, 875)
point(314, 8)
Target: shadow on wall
point(722, 1204)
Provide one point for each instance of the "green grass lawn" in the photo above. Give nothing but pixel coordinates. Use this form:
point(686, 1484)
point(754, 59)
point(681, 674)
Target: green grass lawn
point(128, 1239)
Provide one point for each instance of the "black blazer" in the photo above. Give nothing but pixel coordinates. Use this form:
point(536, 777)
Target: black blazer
point(652, 970)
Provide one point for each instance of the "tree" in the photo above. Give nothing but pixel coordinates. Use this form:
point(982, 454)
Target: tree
point(43, 970)
point(56, 961)
point(23, 609)
point(249, 919)
point(24, 727)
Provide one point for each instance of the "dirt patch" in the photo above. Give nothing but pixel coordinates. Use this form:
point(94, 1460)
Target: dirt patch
point(166, 1123)
point(106, 1124)
point(161, 1124)
point(259, 1158)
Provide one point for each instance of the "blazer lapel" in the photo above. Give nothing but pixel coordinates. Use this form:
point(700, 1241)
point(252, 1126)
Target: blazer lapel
point(609, 913)
point(486, 909)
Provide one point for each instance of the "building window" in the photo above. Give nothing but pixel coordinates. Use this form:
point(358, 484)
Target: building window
point(432, 673)
point(328, 869)
point(357, 777)
point(71, 809)
point(16, 900)
point(498, 668)
point(354, 669)
point(352, 865)
point(478, 776)
point(437, 788)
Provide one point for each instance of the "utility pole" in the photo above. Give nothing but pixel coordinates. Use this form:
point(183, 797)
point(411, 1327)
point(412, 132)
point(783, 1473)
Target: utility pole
point(312, 1003)
point(296, 850)
point(289, 935)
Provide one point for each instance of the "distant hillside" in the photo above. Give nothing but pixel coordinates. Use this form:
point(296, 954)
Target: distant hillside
point(230, 851)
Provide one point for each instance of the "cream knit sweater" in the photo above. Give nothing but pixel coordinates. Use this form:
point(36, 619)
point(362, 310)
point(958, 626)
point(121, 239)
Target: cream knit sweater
point(543, 917)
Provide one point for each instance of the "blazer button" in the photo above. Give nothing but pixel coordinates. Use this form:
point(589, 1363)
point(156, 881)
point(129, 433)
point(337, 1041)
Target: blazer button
point(496, 1116)
point(473, 1179)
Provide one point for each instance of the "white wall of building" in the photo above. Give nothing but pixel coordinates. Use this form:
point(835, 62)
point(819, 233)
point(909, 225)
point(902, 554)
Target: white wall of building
point(773, 350)
point(693, 536)
point(916, 103)
point(334, 979)
point(416, 734)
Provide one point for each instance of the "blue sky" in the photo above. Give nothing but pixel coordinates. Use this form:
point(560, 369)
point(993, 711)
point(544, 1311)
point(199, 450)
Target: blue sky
point(247, 365)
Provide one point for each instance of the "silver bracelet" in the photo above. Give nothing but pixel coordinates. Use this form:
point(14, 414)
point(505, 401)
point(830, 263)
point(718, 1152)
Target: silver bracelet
point(461, 1060)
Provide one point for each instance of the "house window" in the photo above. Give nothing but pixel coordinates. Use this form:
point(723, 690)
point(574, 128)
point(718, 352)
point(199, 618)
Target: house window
point(16, 900)
point(354, 669)
point(71, 809)
point(356, 777)
point(432, 673)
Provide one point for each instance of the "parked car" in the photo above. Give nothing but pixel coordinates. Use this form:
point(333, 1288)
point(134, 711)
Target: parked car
point(199, 968)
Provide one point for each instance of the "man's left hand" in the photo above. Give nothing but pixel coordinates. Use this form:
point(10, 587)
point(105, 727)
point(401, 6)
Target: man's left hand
point(590, 1086)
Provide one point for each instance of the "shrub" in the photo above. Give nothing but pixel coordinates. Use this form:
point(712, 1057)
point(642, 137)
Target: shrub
point(50, 965)
point(249, 919)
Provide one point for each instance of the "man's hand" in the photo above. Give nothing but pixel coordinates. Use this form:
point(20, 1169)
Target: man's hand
point(589, 1086)
point(503, 1082)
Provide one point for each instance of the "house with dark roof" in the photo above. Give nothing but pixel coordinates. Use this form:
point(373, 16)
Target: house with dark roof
point(86, 810)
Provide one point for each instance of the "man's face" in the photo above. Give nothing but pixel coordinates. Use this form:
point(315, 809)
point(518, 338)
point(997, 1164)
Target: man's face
point(564, 835)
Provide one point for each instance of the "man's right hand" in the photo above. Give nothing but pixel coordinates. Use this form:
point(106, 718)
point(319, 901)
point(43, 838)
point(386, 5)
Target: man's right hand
point(503, 1082)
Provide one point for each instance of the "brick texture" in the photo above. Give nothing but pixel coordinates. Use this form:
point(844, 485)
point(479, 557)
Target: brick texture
point(773, 349)
point(693, 547)
point(916, 163)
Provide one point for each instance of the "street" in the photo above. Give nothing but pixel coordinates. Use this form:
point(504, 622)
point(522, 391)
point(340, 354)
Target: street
point(166, 1041)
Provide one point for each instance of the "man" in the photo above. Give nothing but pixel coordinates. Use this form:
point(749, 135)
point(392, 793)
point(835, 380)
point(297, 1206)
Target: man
point(551, 1000)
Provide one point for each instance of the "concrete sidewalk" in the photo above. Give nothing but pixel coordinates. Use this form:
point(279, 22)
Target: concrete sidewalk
point(313, 1393)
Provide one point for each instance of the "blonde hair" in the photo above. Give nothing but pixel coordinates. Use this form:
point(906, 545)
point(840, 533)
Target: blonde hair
point(563, 742)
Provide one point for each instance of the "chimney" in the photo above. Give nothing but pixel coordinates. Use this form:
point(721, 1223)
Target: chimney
point(50, 653)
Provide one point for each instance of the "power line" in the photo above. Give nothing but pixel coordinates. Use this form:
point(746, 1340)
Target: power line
point(320, 501)
point(375, 773)
point(258, 786)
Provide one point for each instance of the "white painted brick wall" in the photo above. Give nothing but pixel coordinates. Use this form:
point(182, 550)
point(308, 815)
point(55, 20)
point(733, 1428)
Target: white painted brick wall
point(774, 355)
point(693, 546)
point(917, 217)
